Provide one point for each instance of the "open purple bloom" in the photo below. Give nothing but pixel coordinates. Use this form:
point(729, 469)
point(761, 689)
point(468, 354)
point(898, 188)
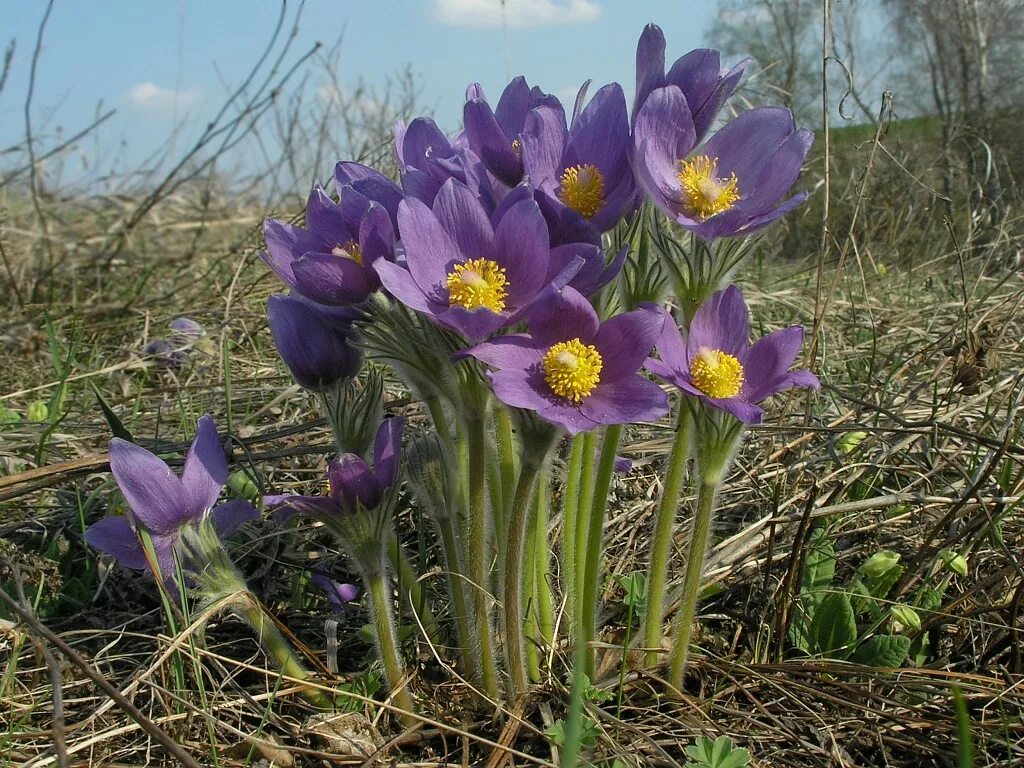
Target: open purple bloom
point(316, 343)
point(574, 370)
point(698, 74)
point(584, 171)
point(331, 261)
point(339, 594)
point(465, 273)
point(717, 363)
point(735, 183)
point(161, 503)
point(494, 135)
point(353, 485)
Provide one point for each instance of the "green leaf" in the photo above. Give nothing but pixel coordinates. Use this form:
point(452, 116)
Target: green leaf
point(953, 561)
point(849, 441)
point(38, 411)
point(117, 428)
point(880, 586)
point(834, 627)
point(588, 732)
point(820, 563)
point(635, 586)
point(880, 563)
point(7, 416)
point(720, 753)
point(906, 616)
point(882, 651)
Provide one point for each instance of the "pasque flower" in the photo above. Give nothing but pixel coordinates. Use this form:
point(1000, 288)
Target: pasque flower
point(352, 484)
point(316, 343)
point(161, 504)
point(583, 171)
point(339, 594)
point(575, 371)
point(464, 273)
point(716, 363)
point(735, 183)
point(698, 74)
point(331, 260)
point(495, 135)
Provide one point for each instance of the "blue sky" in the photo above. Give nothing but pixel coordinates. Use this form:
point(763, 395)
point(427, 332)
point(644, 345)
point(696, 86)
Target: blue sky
point(157, 62)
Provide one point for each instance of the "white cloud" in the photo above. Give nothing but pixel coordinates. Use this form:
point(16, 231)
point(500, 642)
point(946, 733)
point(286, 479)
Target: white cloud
point(514, 13)
point(152, 97)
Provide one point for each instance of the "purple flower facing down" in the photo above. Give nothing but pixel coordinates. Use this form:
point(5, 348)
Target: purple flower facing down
point(186, 329)
point(495, 135)
point(464, 273)
point(352, 484)
point(161, 503)
point(698, 74)
point(716, 362)
point(331, 261)
point(575, 371)
point(583, 172)
point(735, 183)
point(339, 594)
point(316, 343)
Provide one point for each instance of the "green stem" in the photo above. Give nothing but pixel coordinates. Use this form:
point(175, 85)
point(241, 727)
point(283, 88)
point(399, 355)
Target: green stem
point(657, 570)
point(411, 589)
point(592, 580)
point(519, 521)
point(478, 559)
point(570, 523)
point(541, 559)
point(276, 647)
point(586, 497)
point(437, 415)
point(699, 533)
point(531, 628)
point(457, 585)
point(387, 640)
point(507, 456)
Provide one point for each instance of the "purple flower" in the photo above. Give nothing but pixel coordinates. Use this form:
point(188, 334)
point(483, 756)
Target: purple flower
point(698, 74)
point(186, 329)
point(494, 135)
point(353, 485)
point(717, 363)
point(338, 593)
point(331, 261)
point(427, 159)
point(735, 183)
point(575, 371)
point(371, 184)
point(584, 172)
point(466, 274)
point(314, 342)
point(161, 503)
point(165, 354)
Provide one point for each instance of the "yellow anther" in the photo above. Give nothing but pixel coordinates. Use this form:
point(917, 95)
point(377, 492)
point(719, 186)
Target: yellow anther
point(477, 284)
point(349, 250)
point(582, 189)
point(572, 369)
point(706, 194)
point(717, 374)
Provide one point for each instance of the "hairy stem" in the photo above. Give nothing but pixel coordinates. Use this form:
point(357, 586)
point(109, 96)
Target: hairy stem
point(699, 533)
point(570, 522)
point(586, 497)
point(457, 584)
point(411, 589)
point(387, 639)
point(657, 569)
point(478, 558)
point(595, 524)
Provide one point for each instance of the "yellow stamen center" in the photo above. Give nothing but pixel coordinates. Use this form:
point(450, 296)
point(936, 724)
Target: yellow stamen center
point(517, 148)
point(706, 194)
point(572, 369)
point(582, 189)
point(476, 284)
point(716, 374)
point(349, 250)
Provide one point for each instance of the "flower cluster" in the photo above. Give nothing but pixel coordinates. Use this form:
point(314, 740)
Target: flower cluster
point(487, 279)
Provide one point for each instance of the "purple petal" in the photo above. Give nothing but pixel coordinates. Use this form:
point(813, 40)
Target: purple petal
point(704, 116)
point(600, 135)
point(746, 412)
point(313, 344)
point(766, 364)
point(386, 450)
point(187, 328)
point(625, 401)
point(338, 594)
point(332, 280)
point(543, 142)
point(227, 517)
point(720, 323)
point(696, 75)
point(561, 315)
point(622, 465)
point(157, 498)
point(515, 102)
point(527, 389)
point(744, 144)
point(114, 536)
point(370, 183)
point(515, 351)
point(206, 466)
point(672, 346)
point(429, 249)
point(487, 140)
point(521, 247)
point(474, 324)
point(322, 508)
point(353, 483)
point(620, 202)
point(376, 239)
point(423, 141)
point(664, 135)
point(650, 64)
point(399, 283)
point(324, 218)
point(626, 340)
point(464, 219)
